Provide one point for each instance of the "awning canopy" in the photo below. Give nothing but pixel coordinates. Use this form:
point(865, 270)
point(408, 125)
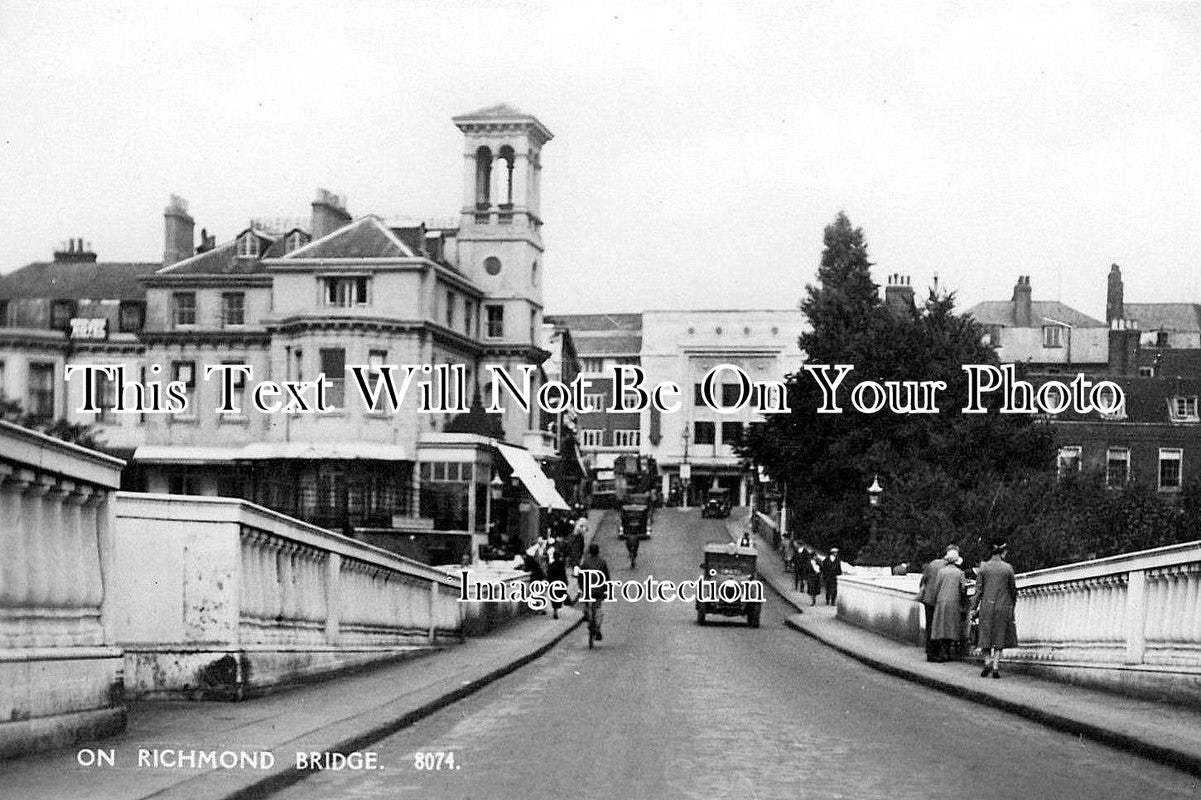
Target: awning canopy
point(540, 487)
point(262, 451)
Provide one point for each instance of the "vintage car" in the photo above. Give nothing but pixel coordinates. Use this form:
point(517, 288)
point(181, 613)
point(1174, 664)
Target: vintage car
point(723, 564)
point(635, 521)
point(717, 504)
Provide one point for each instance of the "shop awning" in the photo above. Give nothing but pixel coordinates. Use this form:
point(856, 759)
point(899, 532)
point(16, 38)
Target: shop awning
point(182, 454)
point(540, 487)
point(259, 451)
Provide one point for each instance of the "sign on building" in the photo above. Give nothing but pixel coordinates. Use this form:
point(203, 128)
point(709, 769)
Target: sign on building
point(89, 328)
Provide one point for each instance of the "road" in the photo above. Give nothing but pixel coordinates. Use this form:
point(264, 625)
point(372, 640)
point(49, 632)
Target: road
point(665, 709)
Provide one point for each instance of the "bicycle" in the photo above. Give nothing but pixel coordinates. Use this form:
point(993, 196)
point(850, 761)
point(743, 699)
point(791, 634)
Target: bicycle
point(593, 625)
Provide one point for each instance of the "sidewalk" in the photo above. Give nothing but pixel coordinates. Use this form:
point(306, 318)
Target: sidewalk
point(339, 715)
point(1158, 731)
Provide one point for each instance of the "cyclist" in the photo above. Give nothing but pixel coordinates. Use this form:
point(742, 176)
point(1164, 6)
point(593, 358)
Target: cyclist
point(594, 560)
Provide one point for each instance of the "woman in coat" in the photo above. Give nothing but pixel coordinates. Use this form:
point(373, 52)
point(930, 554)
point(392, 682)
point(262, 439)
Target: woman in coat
point(996, 594)
point(949, 593)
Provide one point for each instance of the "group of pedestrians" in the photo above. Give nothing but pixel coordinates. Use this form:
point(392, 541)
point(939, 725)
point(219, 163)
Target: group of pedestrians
point(813, 574)
point(553, 559)
point(943, 594)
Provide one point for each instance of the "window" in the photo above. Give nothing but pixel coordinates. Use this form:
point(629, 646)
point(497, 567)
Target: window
point(452, 472)
point(492, 265)
point(704, 433)
point(592, 364)
point(2, 384)
point(730, 394)
point(698, 398)
point(185, 373)
point(233, 308)
point(333, 364)
point(496, 321)
point(346, 292)
point(533, 326)
point(3, 313)
point(106, 397)
point(298, 359)
point(1146, 372)
point(183, 308)
point(534, 274)
point(248, 246)
point(41, 391)
point(731, 432)
point(238, 395)
point(1183, 409)
point(469, 317)
point(1069, 460)
point(1170, 460)
point(1106, 397)
point(375, 363)
point(1052, 336)
point(131, 317)
point(450, 309)
point(61, 312)
point(598, 401)
point(1117, 466)
point(180, 483)
point(627, 438)
point(592, 437)
point(295, 241)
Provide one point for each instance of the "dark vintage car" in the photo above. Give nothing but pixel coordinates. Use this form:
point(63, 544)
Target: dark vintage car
point(717, 504)
point(635, 521)
point(725, 563)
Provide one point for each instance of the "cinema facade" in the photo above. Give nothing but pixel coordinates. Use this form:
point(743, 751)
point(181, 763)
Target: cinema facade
point(295, 298)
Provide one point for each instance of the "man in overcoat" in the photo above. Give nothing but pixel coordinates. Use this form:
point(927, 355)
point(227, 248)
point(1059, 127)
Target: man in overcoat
point(831, 568)
point(950, 594)
point(925, 596)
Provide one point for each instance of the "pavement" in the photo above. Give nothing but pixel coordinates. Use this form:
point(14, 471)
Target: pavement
point(1159, 731)
point(340, 715)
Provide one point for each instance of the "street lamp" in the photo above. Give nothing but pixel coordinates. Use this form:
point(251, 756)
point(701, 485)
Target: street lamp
point(874, 491)
point(496, 487)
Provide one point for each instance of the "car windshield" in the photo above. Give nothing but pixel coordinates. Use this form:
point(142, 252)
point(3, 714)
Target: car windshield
point(727, 564)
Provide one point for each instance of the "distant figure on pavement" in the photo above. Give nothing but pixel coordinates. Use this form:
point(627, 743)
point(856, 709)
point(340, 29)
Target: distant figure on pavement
point(813, 577)
point(556, 573)
point(901, 569)
point(575, 542)
point(925, 596)
point(595, 561)
point(830, 569)
point(950, 594)
point(993, 603)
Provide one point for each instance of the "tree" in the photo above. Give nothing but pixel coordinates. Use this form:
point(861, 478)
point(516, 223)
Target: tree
point(74, 432)
point(940, 471)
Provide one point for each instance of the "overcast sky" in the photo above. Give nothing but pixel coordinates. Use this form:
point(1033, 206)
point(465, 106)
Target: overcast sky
point(699, 148)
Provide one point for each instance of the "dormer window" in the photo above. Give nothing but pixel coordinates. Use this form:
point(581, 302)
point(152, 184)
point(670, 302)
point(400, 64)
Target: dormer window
point(1052, 336)
point(248, 246)
point(1109, 397)
point(1183, 409)
point(295, 241)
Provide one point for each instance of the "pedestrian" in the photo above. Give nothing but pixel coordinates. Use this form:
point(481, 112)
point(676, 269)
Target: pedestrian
point(813, 577)
point(992, 605)
point(925, 596)
point(802, 566)
point(556, 573)
point(577, 541)
point(950, 595)
point(830, 568)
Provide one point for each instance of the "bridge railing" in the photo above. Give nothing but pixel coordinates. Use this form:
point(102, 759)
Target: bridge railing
point(222, 598)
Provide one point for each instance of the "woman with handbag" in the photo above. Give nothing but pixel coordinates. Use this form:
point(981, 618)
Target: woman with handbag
point(993, 605)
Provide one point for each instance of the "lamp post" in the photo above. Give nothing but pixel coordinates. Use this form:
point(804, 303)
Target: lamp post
point(496, 489)
point(873, 499)
point(685, 469)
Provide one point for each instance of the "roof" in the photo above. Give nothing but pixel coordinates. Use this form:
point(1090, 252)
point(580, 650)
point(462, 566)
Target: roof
point(366, 237)
point(582, 323)
point(1164, 316)
point(221, 260)
point(1147, 399)
point(1000, 312)
point(606, 345)
point(730, 548)
point(1171, 363)
point(57, 280)
point(499, 111)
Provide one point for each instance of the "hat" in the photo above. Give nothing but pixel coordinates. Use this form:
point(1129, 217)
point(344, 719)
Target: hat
point(953, 558)
point(952, 553)
point(953, 548)
point(833, 549)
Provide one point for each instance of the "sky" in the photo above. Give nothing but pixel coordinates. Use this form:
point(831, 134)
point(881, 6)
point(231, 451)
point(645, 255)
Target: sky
point(699, 148)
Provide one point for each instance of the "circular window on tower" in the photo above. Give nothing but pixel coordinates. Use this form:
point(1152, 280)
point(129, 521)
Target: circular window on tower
point(492, 265)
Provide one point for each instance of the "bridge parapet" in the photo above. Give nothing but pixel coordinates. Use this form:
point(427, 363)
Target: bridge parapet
point(60, 676)
point(220, 598)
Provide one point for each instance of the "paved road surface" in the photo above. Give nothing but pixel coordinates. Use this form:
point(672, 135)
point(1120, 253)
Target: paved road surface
point(666, 709)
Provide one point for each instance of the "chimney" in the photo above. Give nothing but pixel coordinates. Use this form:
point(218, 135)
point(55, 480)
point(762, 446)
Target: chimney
point(73, 251)
point(207, 241)
point(1123, 347)
point(329, 213)
point(1022, 314)
point(1115, 296)
point(178, 236)
point(898, 295)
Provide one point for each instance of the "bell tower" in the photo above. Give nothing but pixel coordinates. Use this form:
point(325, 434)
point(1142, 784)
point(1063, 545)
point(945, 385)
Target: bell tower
point(500, 235)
